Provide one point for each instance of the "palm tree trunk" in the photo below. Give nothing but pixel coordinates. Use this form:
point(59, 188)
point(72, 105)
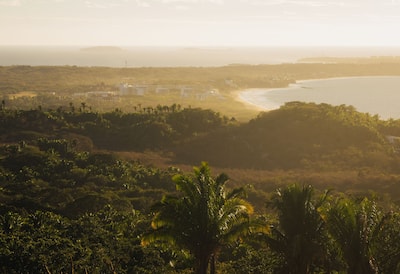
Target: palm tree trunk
point(212, 264)
point(202, 264)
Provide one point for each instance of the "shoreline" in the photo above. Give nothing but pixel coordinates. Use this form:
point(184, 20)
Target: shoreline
point(237, 95)
point(255, 101)
point(249, 101)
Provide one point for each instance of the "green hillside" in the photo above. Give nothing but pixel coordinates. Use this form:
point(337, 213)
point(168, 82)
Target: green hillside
point(298, 136)
point(103, 186)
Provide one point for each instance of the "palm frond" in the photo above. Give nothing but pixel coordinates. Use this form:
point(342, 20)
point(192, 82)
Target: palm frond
point(204, 217)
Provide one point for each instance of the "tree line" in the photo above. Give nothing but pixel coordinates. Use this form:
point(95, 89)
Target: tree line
point(298, 135)
point(68, 203)
point(206, 227)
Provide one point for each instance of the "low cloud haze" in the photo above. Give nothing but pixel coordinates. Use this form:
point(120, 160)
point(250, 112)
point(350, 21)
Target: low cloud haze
point(200, 22)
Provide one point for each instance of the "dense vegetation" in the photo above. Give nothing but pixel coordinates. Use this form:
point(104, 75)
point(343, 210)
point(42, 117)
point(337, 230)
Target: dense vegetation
point(296, 136)
point(103, 186)
point(300, 135)
point(68, 203)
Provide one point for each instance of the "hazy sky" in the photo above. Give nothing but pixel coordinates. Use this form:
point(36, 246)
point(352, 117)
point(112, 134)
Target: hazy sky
point(200, 22)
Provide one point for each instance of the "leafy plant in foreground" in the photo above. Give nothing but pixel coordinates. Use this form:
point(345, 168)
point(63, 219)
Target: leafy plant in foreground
point(203, 219)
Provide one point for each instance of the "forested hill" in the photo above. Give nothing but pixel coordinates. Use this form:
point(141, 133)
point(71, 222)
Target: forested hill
point(296, 136)
point(70, 161)
point(148, 128)
point(300, 135)
point(69, 202)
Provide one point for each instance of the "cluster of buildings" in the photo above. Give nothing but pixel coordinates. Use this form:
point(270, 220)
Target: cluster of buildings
point(96, 94)
point(126, 89)
point(185, 91)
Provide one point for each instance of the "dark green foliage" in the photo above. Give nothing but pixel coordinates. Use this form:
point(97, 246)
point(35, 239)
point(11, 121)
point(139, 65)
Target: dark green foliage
point(54, 176)
point(386, 243)
point(203, 219)
point(298, 135)
point(355, 226)
point(34, 243)
point(112, 130)
point(299, 235)
point(65, 222)
point(104, 242)
point(65, 204)
point(194, 121)
point(251, 255)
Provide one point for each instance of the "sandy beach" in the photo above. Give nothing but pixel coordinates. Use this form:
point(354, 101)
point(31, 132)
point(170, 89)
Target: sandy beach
point(249, 98)
point(255, 98)
point(369, 94)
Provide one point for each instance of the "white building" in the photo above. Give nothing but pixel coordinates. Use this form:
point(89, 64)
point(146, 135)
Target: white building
point(160, 90)
point(128, 89)
point(186, 91)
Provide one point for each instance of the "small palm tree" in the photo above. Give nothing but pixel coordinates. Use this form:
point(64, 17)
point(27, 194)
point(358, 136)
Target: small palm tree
point(203, 218)
point(386, 244)
point(299, 235)
point(354, 225)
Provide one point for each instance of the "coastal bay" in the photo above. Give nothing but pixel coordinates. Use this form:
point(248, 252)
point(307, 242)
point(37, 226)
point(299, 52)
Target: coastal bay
point(377, 95)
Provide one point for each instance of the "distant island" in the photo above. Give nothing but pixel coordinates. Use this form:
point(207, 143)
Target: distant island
point(102, 49)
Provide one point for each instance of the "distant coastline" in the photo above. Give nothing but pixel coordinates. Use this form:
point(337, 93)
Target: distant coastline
point(352, 60)
point(131, 56)
point(365, 93)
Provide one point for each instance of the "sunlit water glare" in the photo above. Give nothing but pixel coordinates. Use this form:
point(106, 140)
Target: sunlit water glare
point(374, 95)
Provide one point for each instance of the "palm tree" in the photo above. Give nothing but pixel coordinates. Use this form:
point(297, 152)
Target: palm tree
point(386, 244)
point(203, 218)
point(299, 235)
point(354, 225)
point(83, 105)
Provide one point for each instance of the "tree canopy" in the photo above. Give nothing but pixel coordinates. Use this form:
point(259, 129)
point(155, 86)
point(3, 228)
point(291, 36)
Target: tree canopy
point(204, 218)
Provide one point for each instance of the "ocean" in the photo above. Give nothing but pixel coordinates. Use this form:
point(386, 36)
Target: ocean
point(173, 56)
point(379, 95)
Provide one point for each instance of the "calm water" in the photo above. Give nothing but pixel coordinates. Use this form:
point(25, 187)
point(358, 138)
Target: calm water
point(375, 95)
point(174, 56)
